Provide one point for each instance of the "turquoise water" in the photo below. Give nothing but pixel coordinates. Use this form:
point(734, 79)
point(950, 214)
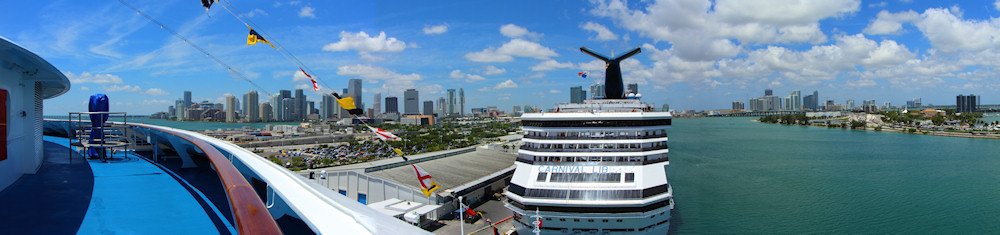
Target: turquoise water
point(731, 175)
point(189, 125)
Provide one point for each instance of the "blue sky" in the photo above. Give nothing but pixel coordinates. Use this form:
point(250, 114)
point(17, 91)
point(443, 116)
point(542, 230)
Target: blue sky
point(696, 54)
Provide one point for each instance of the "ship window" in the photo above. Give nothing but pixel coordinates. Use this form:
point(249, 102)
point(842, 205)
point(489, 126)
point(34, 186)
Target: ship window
point(586, 177)
point(629, 177)
point(621, 159)
point(541, 176)
point(608, 159)
point(590, 220)
point(619, 221)
point(562, 219)
point(548, 219)
point(576, 220)
point(605, 221)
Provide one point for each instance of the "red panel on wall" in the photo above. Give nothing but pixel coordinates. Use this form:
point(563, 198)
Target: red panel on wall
point(3, 124)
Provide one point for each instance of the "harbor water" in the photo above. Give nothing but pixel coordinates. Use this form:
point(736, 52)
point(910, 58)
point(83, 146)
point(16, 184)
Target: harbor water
point(731, 175)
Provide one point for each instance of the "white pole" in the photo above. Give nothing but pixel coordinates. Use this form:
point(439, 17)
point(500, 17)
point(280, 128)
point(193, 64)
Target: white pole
point(461, 218)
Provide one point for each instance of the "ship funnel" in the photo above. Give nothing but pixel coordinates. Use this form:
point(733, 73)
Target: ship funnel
point(613, 86)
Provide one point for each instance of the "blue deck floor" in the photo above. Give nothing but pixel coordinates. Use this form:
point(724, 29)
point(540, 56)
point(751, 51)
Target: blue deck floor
point(128, 195)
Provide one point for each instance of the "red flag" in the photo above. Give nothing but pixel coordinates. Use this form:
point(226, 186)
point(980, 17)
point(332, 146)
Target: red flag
point(304, 72)
point(469, 211)
point(384, 135)
point(315, 87)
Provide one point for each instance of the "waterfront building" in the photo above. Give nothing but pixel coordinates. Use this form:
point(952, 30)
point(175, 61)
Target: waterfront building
point(577, 95)
point(391, 105)
point(632, 88)
point(179, 109)
point(811, 102)
point(597, 91)
point(265, 112)
point(230, 108)
point(287, 105)
point(966, 103)
point(311, 107)
point(411, 102)
point(516, 111)
point(276, 108)
point(429, 108)
point(461, 102)
point(451, 101)
point(737, 105)
point(325, 106)
point(796, 100)
point(187, 104)
point(914, 103)
point(850, 104)
point(252, 106)
point(300, 110)
point(170, 112)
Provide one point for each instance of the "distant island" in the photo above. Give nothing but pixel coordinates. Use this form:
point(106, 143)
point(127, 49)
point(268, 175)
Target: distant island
point(928, 122)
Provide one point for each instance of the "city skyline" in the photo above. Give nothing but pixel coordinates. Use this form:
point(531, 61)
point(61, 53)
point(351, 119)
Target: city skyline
point(702, 60)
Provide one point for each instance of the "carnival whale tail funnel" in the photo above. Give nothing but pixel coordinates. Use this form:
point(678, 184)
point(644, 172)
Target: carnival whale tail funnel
point(613, 86)
point(98, 103)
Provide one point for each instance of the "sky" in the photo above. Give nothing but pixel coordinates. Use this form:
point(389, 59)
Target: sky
point(696, 54)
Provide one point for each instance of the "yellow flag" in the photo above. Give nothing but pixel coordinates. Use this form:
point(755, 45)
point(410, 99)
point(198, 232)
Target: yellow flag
point(347, 103)
point(400, 152)
point(254, 37)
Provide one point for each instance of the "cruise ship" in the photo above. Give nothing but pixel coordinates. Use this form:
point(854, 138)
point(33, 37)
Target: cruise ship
point(597, 167)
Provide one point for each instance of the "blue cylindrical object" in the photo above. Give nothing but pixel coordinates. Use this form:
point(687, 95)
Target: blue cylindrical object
point(98, 103)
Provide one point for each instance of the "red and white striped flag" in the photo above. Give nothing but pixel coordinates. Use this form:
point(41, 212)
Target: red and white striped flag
point(315, 87)
point(384, 135)
point(427, 185)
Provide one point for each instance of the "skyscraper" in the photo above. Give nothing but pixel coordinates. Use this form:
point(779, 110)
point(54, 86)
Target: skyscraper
point(265, 112)
point(287, 105)
point(633, 88)
point(576, 94)
point(411, 102)
point(251, 106)
point(187, 104)
point(966, 103)
point(391, 104)
point(428, 107)
point(442, 109)
point(811, 102)
point(796, 99)
point(230, 108)
point(850, 104)
point(179, 109)
point(354, 88)
point(325, 107)
point(276, 108)
point(737, 105)
point(378, 103)
point(300, 110)
point(597, 91)
point(451, 101)
point(461, 102)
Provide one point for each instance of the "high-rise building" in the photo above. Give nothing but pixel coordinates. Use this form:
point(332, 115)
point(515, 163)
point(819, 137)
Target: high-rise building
point(171, 111)
point(325, 107)
point(251, 106)
point(391, 104)
point(300, 111)
point(737, 105)
point(461, 102)
point(265, 112)
point(276, 108)
point(796, 100)
point(451, 101)
point(187, 103)
point(577, 95)
point(850, 104)
point(287, 105)
point(311, 107)
point(354, 88)
point(633, 88)
point(428, 107)
point(597, 91)
point(768, 92)
point(915, 103)
point(378, 103)
point(442, 109)
point(230, 108)
point(179, 109)
point(411, 102)
point(811, 102)
point(966, 103)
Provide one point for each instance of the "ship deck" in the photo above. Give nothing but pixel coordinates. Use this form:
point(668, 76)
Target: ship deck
point(129, 194)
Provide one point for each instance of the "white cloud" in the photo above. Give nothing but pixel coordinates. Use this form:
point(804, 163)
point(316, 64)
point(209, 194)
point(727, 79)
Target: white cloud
point(129, 88)
point(515, 47)
point(506, 85)
point(514, 31)
point(307, 12)
point(390, 80)
point(255, 12)
point(87, 77)
point(435, 29)
point(603, 34)
point(298, 76)
point(554, 91)
point(83, 88)
point(890, 23)
point(996, 5)
point(361, 42)
point(156, 91)
point(700, 31)
point(862, 83)
point(551, 65)
point(493, 70)
point(458, 74)
point(157, 102)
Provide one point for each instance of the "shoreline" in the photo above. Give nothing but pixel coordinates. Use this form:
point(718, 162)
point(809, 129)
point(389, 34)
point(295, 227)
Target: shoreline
point(904, 131)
